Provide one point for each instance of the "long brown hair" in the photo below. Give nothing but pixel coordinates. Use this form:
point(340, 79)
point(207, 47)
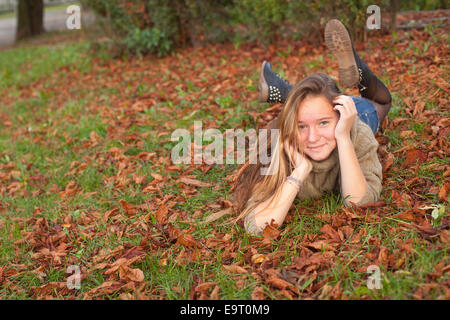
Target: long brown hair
point(250, 182)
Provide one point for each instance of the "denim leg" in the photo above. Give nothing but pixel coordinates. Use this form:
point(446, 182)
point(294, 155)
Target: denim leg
point(367, 113)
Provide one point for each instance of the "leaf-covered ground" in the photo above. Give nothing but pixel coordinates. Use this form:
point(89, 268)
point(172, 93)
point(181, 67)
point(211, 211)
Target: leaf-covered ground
point(87, 179)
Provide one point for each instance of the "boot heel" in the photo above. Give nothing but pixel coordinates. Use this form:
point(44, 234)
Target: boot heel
point(339, 43)
point(262, 85)
point(347, 76)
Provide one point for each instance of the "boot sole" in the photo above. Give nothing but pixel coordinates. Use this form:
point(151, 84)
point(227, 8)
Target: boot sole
point(262, 85)
point(339, 43)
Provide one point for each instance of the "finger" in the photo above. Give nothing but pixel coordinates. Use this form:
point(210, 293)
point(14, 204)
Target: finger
point(340, 108)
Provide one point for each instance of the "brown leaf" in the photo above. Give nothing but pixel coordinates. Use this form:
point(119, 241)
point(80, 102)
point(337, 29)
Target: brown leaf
point(233, 268)
point(194, 182)
point(204, 287)
point(443, 192)
point(138, 179)
point(320, 245)
point(95, 138)
point(115, 266)
point(70, 189)
point(146, 155)
point(215, 293)
point(156, 176)
point(150, 188)
point(383, 256)
point(388, 162)
point(413, 156)
point(129, 208)
point(406, 215)
point(445, 237)
point(187, 240)
point(217, 215)
point(418, 108)
point(278, 282)
point(130, 274)
point(408, 134)
point(258, 258)
point(258, 294)
point(106, 287)
point(328, 230)
point(110, 213)
point(161, 214)
point(271, 233)
point(347, 230)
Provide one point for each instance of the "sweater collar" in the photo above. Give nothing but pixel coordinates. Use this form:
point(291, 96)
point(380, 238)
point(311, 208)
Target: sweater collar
point(326, 164)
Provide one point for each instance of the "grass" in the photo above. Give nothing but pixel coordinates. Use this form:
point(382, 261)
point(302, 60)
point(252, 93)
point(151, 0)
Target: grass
point(50, 136)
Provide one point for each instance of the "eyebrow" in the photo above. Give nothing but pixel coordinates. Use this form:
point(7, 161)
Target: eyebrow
point(325, 118)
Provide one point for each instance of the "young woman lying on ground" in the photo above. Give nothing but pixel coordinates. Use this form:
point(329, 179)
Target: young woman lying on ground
point(326, 139)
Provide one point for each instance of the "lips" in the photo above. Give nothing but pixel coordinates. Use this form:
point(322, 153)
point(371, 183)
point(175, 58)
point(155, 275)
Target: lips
point(316, 147)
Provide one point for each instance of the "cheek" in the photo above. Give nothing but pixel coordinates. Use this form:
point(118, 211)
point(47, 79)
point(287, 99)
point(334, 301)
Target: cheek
point(303, 138)
point(329, 132)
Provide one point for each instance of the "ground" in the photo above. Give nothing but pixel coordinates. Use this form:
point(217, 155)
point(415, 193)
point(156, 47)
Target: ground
point(87, 179)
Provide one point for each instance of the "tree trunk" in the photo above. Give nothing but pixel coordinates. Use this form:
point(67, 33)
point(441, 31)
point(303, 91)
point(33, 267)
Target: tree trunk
point(394, 6)
point(30, 18)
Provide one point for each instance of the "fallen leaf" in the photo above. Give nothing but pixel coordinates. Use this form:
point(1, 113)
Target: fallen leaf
point(161, 214)
point(413, 156)
point(278, 282)
point(129, 208)
point(234, 268)
point(194, 182)
point(328, 230)
point(406, 215)
point(271, 233)
point(258, 294)
point(443, 191)
point(187, 240)
point(388, 162)
point(127, 273)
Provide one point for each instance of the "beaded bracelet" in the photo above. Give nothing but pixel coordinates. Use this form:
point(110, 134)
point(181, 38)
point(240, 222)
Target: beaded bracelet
point(296, 181)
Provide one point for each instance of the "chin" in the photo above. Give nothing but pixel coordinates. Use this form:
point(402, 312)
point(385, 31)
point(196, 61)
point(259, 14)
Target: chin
point(320, 156)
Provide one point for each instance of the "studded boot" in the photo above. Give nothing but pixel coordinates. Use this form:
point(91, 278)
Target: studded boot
point(352, 70)
point(272, 88)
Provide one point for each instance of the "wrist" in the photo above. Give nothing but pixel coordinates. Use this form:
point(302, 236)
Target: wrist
point(297, 182)
point(345, 138)
point(299, 174)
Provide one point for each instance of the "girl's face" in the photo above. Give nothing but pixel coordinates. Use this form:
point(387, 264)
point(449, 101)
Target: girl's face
point(316, 123)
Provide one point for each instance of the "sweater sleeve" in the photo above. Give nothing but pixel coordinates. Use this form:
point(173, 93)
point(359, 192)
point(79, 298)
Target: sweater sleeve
point(366, 151)
point(250, 224)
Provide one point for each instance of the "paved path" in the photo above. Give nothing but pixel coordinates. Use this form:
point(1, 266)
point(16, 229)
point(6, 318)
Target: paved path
point(54, 20)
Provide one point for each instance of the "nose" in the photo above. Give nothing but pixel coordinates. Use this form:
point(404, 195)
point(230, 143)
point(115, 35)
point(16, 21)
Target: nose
point(313, 135)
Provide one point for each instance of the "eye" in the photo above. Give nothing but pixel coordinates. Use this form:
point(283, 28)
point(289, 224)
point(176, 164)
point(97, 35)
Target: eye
point(323, 123)
point(301, 126)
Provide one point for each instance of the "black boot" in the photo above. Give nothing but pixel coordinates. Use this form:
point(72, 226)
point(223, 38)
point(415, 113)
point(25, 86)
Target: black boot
point(272, 88)
point(352, 70)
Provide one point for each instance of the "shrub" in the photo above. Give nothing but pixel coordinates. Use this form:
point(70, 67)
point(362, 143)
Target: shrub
point(260, 20)
point(159, 26)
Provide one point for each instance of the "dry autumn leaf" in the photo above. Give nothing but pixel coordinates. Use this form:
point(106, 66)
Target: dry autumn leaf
point(161, 214)
point(278, 283)
point(129, 274)
point(187, 240)
point(194, 182)
point(234, 268)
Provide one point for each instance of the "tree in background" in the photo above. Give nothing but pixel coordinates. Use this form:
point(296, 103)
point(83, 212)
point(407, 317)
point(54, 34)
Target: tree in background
point(30, 18)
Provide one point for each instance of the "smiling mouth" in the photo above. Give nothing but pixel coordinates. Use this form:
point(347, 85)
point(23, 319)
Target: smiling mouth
point(315, 148)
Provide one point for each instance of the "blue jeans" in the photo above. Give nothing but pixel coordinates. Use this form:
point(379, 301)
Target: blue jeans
point(367, 112)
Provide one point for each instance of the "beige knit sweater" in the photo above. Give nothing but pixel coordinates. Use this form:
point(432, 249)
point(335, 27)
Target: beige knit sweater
point(325, 176)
